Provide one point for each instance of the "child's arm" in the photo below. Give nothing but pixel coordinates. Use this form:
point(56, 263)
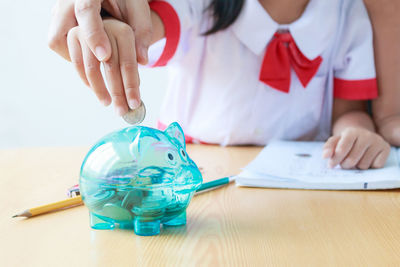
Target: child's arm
point(354, 143)
point(121, 70)
point(386, 108)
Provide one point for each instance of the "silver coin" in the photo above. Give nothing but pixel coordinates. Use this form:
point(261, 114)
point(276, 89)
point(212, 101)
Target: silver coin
point(135, 116)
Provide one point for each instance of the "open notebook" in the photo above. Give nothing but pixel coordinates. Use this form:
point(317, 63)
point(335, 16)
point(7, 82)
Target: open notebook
point(284, 164)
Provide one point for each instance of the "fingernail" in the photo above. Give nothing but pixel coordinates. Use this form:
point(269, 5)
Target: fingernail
point(325, 153)
point(120, 111)
point(133, 104)
point(105, 102)
point(100, 53)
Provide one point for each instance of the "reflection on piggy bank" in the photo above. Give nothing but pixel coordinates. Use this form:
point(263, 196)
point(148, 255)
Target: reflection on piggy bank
point(139, 178)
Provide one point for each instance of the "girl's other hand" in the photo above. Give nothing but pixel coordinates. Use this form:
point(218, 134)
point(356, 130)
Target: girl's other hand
point(121, 69)
point(356, 148)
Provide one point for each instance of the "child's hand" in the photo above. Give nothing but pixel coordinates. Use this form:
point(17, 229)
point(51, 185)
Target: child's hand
point(356, 148)
point(121, 70)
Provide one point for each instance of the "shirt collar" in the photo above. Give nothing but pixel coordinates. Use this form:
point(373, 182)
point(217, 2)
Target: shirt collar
point(312, 32)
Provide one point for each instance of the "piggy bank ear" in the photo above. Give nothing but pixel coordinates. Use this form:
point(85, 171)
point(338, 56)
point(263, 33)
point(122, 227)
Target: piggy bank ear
point(175, 131)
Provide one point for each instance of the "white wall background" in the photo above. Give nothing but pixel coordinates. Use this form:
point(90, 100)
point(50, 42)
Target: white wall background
point(42, 100)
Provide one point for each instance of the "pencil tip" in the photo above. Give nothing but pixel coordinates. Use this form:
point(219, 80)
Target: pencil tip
point(14, 216)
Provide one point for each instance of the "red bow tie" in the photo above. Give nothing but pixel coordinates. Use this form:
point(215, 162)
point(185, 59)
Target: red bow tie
point(282, 53)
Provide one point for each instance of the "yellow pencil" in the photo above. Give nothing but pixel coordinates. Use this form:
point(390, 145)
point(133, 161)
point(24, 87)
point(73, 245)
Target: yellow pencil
point(73, 201)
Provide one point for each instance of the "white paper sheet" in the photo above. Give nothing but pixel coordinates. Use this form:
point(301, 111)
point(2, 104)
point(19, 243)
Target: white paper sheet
point(300, 165)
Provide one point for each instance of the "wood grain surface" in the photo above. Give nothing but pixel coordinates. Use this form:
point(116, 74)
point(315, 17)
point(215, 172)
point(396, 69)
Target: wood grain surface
point(227, 227)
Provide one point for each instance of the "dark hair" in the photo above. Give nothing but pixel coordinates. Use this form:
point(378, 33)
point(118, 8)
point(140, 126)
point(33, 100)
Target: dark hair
point(224, 12)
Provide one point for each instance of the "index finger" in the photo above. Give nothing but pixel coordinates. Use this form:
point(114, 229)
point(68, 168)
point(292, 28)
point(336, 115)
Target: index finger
point(87, 14)
point(129, 67)
point(343, 147)
point(329, 147)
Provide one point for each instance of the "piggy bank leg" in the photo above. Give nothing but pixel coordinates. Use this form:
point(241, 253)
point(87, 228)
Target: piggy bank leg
point(98, 223)
point(146, 228)
point(177, 221)
point(127, 225)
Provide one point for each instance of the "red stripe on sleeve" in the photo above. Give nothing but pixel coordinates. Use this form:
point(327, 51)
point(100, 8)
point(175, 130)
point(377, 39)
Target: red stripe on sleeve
point(172, 27)
point(355, 89)
point(161, 126)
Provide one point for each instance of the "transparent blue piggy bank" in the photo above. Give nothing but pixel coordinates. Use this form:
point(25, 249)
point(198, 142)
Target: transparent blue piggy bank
point(139, 178)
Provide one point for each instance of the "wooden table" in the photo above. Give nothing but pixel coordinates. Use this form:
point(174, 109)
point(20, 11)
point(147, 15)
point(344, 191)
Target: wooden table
point(230, 226)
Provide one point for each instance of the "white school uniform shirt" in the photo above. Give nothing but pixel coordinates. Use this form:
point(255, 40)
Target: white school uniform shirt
point(215, 91)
